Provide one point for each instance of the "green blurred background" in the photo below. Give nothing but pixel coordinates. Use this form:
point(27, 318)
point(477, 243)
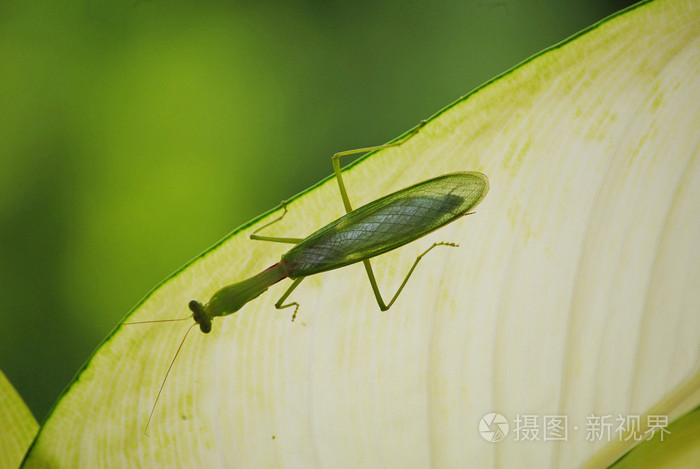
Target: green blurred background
point(135, 134)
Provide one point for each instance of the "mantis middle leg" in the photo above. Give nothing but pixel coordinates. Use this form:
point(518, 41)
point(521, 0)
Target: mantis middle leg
point(275, 239)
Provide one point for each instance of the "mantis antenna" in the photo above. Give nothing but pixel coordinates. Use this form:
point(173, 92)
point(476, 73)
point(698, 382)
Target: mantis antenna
point(167, 373)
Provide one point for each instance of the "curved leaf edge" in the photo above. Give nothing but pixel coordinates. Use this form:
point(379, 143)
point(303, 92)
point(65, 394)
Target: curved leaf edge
point(19, 427)
point(677, 445)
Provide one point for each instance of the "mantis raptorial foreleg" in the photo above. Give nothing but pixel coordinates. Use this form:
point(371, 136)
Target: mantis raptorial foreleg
point(289, 291)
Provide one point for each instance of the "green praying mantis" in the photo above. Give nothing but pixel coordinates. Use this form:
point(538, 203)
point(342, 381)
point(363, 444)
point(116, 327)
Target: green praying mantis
point(361, 234)
point(373, 229)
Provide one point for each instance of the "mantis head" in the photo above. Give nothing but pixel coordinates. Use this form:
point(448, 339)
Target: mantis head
point(200, 316)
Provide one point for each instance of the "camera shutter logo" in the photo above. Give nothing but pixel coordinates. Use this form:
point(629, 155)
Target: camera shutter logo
point(493, 427)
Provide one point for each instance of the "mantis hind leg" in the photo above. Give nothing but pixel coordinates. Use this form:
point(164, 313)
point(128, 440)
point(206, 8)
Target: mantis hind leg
point(275, 239)
point(280, 303)
point(375, 288)
point(348, 209)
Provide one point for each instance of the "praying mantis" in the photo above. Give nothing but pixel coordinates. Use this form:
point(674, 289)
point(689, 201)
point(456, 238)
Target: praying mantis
point(373, 229)
point(378, 227)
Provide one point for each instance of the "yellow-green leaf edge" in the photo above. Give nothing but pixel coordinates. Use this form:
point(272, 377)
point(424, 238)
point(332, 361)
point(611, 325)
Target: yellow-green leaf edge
point(17, 425)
